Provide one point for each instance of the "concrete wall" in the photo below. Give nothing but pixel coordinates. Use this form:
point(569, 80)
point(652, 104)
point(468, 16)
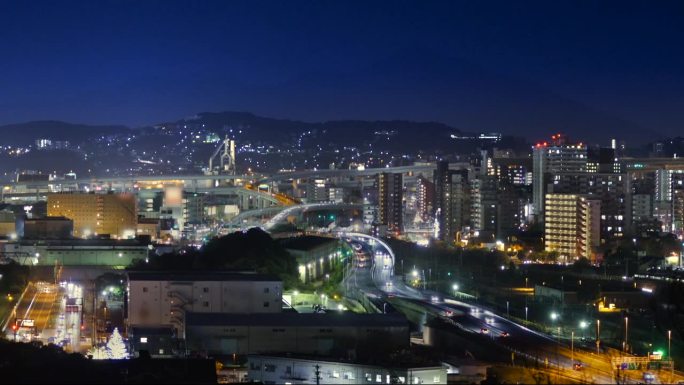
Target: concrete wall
point(244, 339)
point(151, 302)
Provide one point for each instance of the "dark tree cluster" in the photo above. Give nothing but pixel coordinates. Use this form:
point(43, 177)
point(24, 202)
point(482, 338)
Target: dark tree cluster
point(14, 277)
point(22, 363)
point(252, 250)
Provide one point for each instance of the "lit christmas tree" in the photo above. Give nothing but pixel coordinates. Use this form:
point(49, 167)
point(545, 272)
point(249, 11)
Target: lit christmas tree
point(116, 349)
point(98, 353)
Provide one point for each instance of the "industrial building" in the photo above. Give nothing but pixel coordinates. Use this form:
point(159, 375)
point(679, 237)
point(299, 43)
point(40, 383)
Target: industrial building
point(165, 298)
point(297, 369)
point(316, 256)
point(332, 333)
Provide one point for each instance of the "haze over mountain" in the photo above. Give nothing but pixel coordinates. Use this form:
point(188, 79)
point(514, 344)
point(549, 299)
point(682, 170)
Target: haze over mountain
point(23, 134)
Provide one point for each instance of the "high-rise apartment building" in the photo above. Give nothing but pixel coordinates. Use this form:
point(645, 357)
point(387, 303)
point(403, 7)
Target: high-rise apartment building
point(667, 182)
point(571, 225)
point(96, 214)
point(425, 193)
point(452, 201)
point(613, 190)
point(390, 205)
point(550, 158)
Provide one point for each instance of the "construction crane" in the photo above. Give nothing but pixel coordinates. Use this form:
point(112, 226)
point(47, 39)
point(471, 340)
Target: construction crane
point(227, 158)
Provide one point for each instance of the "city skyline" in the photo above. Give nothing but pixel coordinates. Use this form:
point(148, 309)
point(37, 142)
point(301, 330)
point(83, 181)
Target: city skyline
point(341, 192)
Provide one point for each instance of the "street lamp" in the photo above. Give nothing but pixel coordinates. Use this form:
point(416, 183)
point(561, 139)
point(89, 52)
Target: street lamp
point(526, 308)
point(572, 346)
point(598, 336)
point(583, 325)
point(626, 332)
point(669, 352)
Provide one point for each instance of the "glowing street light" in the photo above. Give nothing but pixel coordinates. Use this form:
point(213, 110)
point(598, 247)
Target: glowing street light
point(626, 332)
point(598, 336)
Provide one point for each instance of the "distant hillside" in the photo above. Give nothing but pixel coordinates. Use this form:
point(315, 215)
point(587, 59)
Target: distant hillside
point(27, 133)
point(399, 135)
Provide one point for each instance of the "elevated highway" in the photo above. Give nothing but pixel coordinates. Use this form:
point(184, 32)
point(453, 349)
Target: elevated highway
point(199, 180)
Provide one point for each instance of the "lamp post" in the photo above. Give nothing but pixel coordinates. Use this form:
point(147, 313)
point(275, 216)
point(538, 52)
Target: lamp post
point(626, 332)
point(598, 336)
point(669, 352)
point(572, 347)
point(526, 313)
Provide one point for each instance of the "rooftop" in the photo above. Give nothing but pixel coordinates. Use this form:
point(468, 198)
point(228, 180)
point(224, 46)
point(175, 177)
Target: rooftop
point(305, 242)
point(48, 219)
point(200, 275)
point(313, 358)
point(333, 319)
point(84, 242)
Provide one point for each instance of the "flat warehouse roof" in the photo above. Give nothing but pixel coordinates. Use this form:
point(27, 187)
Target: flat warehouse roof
point(333, 319)
point(176, 275)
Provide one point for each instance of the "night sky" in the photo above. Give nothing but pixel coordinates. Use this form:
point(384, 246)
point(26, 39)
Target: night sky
point(592, 69)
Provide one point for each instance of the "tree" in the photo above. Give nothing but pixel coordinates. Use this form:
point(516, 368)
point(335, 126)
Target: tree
point(98, 353)
point(116, 349)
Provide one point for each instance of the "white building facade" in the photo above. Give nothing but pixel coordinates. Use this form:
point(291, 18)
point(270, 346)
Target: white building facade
point(290, 370)
point(164, 298)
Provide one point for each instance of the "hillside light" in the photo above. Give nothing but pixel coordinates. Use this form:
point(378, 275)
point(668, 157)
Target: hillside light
point(455, 287)
point(554, 316)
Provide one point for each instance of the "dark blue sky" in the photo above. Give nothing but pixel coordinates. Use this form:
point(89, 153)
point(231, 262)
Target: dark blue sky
point(524, 67)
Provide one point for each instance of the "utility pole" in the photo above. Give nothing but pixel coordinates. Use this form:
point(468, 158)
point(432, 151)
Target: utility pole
point(317, 372)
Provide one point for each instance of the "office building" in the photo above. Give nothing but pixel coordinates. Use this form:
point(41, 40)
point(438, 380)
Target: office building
point(390, 202)
point(317, 190)
point(96, 214)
